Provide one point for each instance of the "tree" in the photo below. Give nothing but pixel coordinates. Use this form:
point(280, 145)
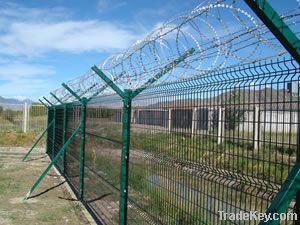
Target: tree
point(233, 114)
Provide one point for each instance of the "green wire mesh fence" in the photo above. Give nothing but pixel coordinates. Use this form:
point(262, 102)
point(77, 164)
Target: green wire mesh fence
point(224, 141)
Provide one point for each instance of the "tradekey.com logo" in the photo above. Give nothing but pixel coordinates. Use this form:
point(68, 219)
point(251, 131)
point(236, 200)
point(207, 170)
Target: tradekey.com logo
point(254, 215)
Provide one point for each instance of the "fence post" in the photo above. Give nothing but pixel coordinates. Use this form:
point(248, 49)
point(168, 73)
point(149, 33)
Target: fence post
point(136, 116)
point(25, 117)
point(194, 121)
point(28, 117)
point(53, 133)
point(125, 156)
point(127, 96)
point(170, 120)
point(221, 125)
point(256, 124)
point(82, 147)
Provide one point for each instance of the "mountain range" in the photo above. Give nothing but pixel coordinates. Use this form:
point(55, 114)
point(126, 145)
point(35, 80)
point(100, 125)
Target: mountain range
point(4, 101)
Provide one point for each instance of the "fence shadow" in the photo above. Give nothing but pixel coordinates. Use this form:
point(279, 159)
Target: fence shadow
point(47, 190)
point(36, 159)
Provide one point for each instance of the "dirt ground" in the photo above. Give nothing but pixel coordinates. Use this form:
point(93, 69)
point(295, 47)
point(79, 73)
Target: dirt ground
point(51, 202)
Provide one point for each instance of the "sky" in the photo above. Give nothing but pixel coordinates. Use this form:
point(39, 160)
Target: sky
point(45, 43)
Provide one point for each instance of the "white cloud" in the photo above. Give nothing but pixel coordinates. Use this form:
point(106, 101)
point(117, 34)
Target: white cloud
point(27, 34)
point(32, 39)
point(37, 35)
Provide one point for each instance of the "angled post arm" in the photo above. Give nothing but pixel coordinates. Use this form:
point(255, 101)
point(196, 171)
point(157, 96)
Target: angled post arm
point(50, 103)
point(104, 87)
point(165, 70)
point(54, 96)
point(108, 81)
point(277, 26)
point(71, 91)
point(43, 103)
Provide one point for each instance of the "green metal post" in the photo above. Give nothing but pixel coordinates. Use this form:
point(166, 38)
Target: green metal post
point(125, 157)
point(277, 26)
point(290, 188)
point(64, 136)
point(53, 133)
point(37, 141)
point(53, 162)
point(286, 194)
point(82, 147)
point(127, 96)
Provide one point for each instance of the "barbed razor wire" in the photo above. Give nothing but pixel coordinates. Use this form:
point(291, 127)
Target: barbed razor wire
point(222, 34)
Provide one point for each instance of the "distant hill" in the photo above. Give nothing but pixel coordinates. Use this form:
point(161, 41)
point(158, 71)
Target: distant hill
point(5, 101)
point(267, 99)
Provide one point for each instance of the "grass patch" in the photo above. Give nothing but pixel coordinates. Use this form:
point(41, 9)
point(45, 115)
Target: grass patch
point(19, 139)
point(16, 178)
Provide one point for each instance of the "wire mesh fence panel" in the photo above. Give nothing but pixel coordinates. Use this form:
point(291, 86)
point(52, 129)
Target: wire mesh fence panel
point(227, 144)
point(102, 157)
point(37, 118)
point(11, 117)
point(72, 156)
point(22, 118)
point(49, 141)
point(59, 134)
